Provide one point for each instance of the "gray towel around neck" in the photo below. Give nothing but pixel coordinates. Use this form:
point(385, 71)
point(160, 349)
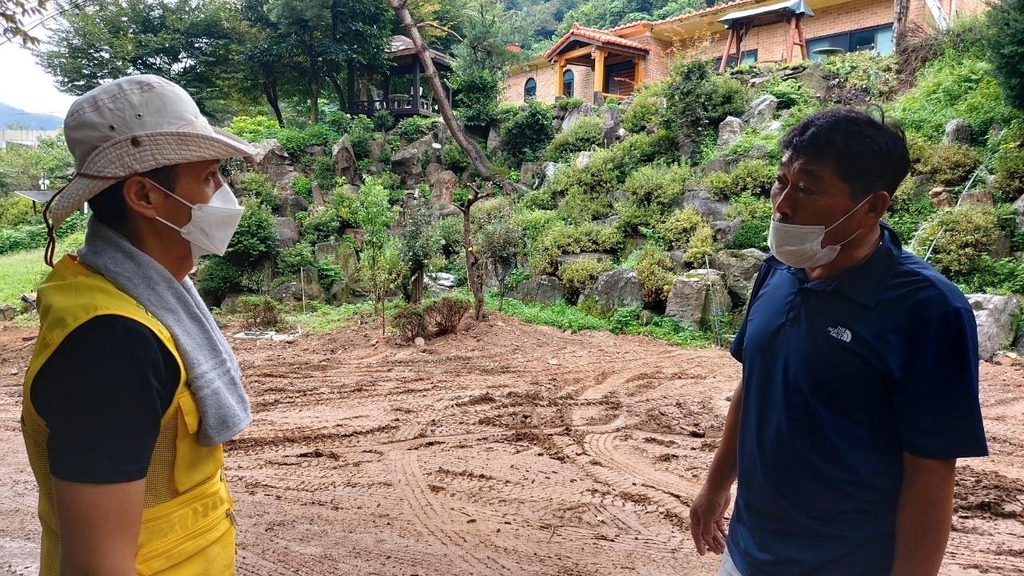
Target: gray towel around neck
point(213, 374)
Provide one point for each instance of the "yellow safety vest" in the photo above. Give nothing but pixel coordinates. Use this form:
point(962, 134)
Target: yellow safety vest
point(187, 520)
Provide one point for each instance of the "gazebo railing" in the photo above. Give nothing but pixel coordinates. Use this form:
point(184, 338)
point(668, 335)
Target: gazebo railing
point(398, 104)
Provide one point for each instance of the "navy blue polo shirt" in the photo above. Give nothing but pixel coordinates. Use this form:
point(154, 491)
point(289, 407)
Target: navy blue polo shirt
point(840, 378)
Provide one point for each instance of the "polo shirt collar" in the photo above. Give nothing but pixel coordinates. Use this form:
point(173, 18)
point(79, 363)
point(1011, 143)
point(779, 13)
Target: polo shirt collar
point(865, 281)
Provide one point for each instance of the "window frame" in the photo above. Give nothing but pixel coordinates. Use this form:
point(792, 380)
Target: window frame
point(530, 91)
point(847, 38)
point(568, 83)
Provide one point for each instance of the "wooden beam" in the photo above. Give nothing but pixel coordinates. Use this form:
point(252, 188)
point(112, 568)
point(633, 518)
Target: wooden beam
point(728, 51)
point(599, 72)
point(803, 39)
point(559, 70)
point(638, 68)
point(790, 37)
point(586, 50)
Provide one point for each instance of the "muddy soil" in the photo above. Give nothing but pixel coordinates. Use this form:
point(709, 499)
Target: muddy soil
point(506, 449)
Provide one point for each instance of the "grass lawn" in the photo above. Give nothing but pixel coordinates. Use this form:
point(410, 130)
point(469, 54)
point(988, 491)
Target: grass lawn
point(21, 272)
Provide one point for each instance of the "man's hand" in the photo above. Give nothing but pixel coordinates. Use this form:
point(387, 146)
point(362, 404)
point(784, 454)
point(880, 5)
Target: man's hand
point(707, 519)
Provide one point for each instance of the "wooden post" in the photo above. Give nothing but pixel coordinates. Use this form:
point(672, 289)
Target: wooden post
point(559, 71)
point(789, 38)
point(800, 33)
point(416, 86)
point(638, 74)
point(727, 52)
point(598, 74)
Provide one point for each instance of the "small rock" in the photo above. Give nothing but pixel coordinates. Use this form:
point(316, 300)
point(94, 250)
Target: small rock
point(1000, 361)
point(419, 342)
point(553, 362)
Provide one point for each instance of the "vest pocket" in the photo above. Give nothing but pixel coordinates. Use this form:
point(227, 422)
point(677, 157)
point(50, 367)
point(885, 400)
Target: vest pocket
point(192, 463)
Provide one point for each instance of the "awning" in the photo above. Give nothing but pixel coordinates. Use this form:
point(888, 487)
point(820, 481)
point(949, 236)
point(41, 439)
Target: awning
point(798, 7)
point(42, 196)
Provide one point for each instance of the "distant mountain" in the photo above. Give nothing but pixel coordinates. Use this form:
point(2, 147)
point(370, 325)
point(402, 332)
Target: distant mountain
point(11, 117)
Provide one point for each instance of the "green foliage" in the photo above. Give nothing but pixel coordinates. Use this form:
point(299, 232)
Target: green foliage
point(949, 88)
point(416, 127)
point(654, 269)
point(255, 239)
point(790, 93)
point(253, 128)
point(866, 72)
point(753, 138)
point(644, 114)
point(560, 239)
point(583, 135)
point(908, 210)
point(638, 150)
point(296, 140)
point(303, 188)
point(17, 211)
point(650, 192)
point(383, 121)
point(218, 276)
point(686, 230)
point(290, 260)
point(536, 222)
point(748, 177)
point(410, 322)
point(755, 214)
point(444, 314)
point(1005, 43)
point(449, 233)
point(1003, 276)
point(380, 264)
point(578, 275)
point(256, 186)
point(21, 167)
point(569, 103)
point(964, 234)
point(259, 312)
point(323, 175)
point(697, 99)
point(321, 225)
point(949, 165)
point(328, 273)
point(454, 157)
point(418, 243)
point(1008, 184)
point(527, 132)
point(31, 236)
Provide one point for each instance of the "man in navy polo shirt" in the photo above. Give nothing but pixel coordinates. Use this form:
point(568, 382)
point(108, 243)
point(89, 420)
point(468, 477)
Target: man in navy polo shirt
point(860, 378)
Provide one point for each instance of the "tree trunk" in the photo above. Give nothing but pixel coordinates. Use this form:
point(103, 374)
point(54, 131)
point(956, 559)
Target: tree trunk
point(270, 92)
point(416, 288)
point(901, 12)
point(314, 102)
point(342, 99)
point(476, 157)
point(472, 264)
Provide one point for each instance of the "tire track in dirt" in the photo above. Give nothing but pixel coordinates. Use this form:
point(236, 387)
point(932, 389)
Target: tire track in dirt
point(435, 520)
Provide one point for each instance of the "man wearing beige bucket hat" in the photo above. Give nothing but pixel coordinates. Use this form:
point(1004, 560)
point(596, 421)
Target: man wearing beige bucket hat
point(132, 389)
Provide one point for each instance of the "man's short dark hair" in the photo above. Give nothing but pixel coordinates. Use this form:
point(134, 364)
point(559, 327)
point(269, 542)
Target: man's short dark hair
point(108, 206)
point(867, 153)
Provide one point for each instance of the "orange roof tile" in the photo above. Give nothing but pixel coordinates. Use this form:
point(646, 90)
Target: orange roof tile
point(681, 16)
point(578, 31)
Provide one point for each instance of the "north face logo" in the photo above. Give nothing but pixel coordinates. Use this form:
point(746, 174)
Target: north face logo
point(841, 333)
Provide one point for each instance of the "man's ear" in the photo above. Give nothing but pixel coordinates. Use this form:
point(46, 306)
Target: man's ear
point(878, 204)
point(141, 197)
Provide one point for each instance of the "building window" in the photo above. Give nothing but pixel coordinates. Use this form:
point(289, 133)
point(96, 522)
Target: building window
point(530, 89)
point(746, 57)
point(877, 39)
point(567, 81)
point(619, 79)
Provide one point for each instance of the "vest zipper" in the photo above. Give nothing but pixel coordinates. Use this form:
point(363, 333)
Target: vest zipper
point(207, 525)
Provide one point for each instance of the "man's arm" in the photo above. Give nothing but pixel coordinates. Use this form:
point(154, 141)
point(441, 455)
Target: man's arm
point(924, 515)
point(707, 513)
point(99, 526)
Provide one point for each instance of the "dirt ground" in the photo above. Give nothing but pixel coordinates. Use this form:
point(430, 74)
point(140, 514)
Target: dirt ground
point(506, 449)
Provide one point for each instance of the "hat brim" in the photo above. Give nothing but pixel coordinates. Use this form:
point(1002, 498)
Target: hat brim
point(140, 153)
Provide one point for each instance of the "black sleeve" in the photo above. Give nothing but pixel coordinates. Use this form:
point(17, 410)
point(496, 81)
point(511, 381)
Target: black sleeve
point(102, 394)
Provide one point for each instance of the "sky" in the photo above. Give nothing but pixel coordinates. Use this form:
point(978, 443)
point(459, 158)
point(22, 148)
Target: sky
point(25, 85)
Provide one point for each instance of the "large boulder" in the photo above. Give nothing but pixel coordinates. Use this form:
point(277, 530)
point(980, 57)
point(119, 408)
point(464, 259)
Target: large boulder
point(7, 312)
point(980, 197)
point(584, 158)
point(611, 130)
point(376, 145)
point(444, 186)
point(729, 131)
point(406, 164)
point(815, 79)
point(341, 253)
point(738, 267)
point(432, 172)
point(723, 231)
point(1018, 208)
point(531, 174)
point(958, 133)
point(493, 141)
point(995, 316)
point(289, 205)
point(572, 117)
point(549, 169)
point(438, 284)
point(540, 289)
point(344, 159)
point(700, 200)
point(941, 197)
point(294, 292)
point(761, 111)
point(697, 298)
point(428, 151)
point(613, 289)
point(272, 160)
point(287, 232)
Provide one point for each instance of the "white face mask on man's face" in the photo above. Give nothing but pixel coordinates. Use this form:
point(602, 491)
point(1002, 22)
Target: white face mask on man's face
point(212, 224)
point(800, 246)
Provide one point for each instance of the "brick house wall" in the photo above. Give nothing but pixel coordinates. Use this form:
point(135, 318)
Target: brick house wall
point(513, 85)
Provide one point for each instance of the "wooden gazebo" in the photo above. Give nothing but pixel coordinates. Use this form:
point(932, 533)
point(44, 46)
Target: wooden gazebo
point(740, 23)
point(618, 63)
point(404, 91)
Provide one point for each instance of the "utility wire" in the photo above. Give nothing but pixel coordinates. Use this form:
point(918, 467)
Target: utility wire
point(46, 19)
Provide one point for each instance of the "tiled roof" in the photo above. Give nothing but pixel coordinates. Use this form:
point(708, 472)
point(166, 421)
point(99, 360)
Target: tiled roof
point(597, 36)
point(681, 17)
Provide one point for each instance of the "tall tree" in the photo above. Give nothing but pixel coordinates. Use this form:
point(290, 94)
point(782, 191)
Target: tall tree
point(259, 54)
point(1006, 48)
point(901, 13)
point(185, 41)
point(13, 16)
point(476, 157)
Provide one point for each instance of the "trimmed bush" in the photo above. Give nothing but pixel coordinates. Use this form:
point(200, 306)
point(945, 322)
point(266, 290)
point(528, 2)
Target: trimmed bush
point(454, 157)
point(654, 269)
point(444, 314)
point(321, 225)
point(217, 277)
point(687, 230)
point(526, 132)
point(560, 239)
point(259, 312)
point(644, 114)
point(256, 186)
point(650, 193)
point(949, 165)
point(790, 93)
point(253, 128)
point(17, 211)
point(584, 135)
point(410, 321)
point(303, 188)
point(416, 127)
point(697, 99)
point(255, 239)
point(755, 214)
point(1008, 184)
point(964, 234)
point(289, 261)
point(578, 275)
point(749, 177)
point(908, 210)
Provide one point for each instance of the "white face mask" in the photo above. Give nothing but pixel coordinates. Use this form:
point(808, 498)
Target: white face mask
point(212, 224)
point(800, 246)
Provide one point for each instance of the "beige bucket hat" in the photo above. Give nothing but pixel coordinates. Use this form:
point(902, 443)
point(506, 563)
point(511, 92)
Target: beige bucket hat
point(130, 126)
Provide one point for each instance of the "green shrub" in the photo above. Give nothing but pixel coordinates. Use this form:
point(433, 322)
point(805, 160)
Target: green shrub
point(584, 135)
point(748, 177)
point(752, 137)
point(454, 157)
point(790, 93)
point(339, 121)
point(867, 72)
point(22, 238)
point(908, 210)
point(578, 275)
point(755, 214)
point(410, 322)
point(253, 128)
point(1008, 184)
point(290, 260)
point(17, 211)
point(444, 314)
point(360, 140)
point(255, 238)
point(259, 312)
point(1003, 276)
point(569, 103)
point(638, 150)
point(217, 277)
point(1005, 42)
point(584, 192)
point(650, 192)
point(416, 127)
point(697, 99)
point(964, 235)
point(323, 175)
point(950, 165)
point(644, 114)
point(256, 186)
point(560, 239)
point(686, 230)
point(536, 222)
point(328, 273)
point(527, 132)
point(322, 225)
point(654, 269)
point(296, 140)
point(382, 121)
point(303, 188)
